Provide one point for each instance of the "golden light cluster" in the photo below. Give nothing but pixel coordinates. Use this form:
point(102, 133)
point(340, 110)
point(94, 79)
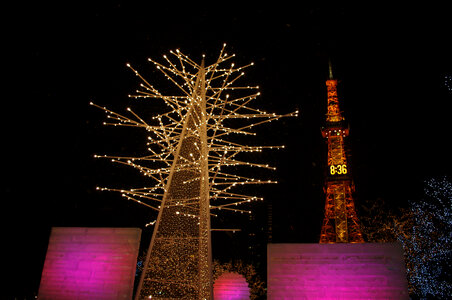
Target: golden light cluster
point(165, 129)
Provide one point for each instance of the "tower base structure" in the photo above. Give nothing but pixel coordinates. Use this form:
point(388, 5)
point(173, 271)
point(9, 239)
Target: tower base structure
point(336, 271)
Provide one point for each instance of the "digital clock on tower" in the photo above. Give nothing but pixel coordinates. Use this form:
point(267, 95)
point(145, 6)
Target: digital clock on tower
point(338, 169)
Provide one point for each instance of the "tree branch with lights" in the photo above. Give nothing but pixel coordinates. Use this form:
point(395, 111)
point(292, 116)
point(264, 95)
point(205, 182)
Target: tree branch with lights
point(193, 155)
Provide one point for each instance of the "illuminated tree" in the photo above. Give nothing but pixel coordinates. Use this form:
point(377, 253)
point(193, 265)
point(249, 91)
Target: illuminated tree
point(425, 231)
point(191, 159)
point(383, 225)
point(429, 246)
point(448, 82)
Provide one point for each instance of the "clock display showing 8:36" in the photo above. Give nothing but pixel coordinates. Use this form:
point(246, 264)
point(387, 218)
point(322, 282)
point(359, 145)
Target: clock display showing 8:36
point(338, 169)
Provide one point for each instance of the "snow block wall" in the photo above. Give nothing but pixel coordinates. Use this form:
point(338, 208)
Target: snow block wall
point(231, 286)
point(336, 271)
point(90, 263)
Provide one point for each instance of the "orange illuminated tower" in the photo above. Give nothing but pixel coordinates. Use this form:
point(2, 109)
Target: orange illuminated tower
point(340, 224)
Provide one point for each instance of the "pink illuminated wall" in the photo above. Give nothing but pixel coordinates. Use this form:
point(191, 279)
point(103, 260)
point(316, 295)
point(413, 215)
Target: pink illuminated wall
point(336, 271)
point(90, 263)
point(231, 286)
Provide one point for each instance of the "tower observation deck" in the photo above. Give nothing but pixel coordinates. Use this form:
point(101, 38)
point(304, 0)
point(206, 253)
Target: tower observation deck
point(340, 224)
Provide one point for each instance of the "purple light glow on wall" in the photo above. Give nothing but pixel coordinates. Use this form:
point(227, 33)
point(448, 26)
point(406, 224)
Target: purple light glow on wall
point(336, 271)
point(90, 263)
point(231, 286)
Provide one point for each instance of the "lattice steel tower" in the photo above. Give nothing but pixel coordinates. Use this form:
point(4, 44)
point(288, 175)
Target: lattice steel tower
point(340, 224)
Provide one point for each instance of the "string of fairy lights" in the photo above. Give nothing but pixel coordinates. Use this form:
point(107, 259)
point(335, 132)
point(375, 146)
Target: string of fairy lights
point(225, 102)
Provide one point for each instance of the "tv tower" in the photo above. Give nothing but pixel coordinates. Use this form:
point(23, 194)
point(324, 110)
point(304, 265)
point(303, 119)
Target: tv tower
point(340, 224)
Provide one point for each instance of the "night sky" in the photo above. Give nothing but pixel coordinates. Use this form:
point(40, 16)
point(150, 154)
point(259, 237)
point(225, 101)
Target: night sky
point(391, 63)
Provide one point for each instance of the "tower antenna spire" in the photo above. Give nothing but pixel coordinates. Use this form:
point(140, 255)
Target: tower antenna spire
point(330, 69)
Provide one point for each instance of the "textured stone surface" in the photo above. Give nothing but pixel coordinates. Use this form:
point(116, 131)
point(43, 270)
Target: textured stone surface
point(336, 271)
point(90, 263)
